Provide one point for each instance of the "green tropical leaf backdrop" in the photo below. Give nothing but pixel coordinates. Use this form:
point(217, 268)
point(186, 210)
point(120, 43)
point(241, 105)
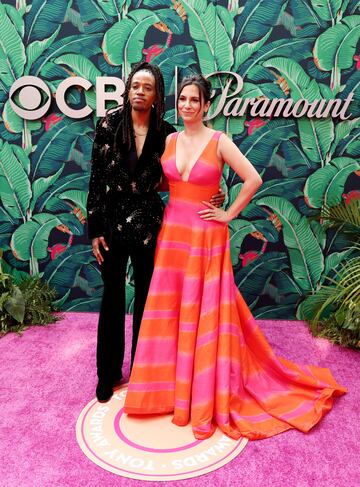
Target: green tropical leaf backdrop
point(284, 48)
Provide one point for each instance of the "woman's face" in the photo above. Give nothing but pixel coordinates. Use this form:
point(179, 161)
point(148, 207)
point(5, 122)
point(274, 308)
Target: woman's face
point(190, 104)
point(142, 93)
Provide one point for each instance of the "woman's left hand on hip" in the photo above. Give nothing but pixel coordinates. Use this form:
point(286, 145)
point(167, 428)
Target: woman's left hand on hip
point(214, 213)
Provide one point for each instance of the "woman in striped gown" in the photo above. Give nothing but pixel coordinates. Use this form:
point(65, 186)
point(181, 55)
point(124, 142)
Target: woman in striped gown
point(201, 354)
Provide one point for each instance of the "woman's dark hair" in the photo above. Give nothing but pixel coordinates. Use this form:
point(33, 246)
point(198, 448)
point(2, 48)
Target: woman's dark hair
point(203, 85)
point(125, 129)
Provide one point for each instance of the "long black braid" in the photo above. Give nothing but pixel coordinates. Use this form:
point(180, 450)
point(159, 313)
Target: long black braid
point(124, 131)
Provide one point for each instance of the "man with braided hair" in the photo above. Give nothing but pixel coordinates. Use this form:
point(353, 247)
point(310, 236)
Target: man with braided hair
point(125, 211)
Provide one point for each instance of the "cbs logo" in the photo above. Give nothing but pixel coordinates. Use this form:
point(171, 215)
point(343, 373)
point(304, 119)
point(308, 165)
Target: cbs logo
point(30, 97)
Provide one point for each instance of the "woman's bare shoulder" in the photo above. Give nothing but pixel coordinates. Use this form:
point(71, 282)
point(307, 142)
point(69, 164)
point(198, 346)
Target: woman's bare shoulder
point(169, 137)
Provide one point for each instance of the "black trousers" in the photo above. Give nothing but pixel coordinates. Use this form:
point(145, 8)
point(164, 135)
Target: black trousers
point(111, 327)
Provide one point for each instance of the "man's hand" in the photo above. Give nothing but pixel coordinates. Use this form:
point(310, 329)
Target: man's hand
point(218, 199)
point(96, 243)
point(214, 213)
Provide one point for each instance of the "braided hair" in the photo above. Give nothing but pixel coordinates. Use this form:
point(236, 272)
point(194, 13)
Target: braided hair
point(125, 129)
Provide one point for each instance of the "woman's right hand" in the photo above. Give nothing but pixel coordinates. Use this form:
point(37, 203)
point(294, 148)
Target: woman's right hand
point(96, 242)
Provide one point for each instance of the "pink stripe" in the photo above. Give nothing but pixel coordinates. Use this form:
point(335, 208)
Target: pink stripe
point(193, 251)
point(264, 388)
point(222, 418)
point(256, 418)
point(302, 409)
point(228, 288)
point(210, 252)
point(189, 209)
point(229, 328)
point(170, 244)
point(223, 375)
point(182, 403)
point(203, 428)
point(210, 297)
point(295, 413)
point(203, 387)
point(188, 286)
point(184, 367)
point(209, 305)
point(180, 213)
point(162, 275)
point(156, 314)
point(162, 353)
point(163, 340)
point(206, 338)
point(187, 326)
point(150, 363)
point(151, 386)
point(194, 290)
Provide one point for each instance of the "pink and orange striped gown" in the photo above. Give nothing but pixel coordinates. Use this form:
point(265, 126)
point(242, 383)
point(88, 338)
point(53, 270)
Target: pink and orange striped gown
point(200, 353)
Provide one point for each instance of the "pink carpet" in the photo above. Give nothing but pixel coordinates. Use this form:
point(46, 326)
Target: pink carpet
point(48, 375)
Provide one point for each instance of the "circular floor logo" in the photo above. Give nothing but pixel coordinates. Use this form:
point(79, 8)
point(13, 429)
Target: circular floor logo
point(148, 448)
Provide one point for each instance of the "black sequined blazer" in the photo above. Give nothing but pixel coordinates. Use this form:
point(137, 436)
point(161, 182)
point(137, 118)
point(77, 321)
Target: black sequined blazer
point(124, 205)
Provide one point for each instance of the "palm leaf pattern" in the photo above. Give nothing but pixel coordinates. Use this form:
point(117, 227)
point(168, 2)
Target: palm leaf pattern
point(287, 48)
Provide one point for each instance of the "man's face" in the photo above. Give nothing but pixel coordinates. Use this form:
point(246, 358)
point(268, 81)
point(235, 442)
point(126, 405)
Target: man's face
point(142, 93)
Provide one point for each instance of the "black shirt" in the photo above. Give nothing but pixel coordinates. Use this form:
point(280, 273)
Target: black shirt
point(131, 161)
point(123, 203)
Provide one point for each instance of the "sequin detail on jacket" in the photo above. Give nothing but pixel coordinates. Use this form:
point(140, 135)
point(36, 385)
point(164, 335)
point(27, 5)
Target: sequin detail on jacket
point(122, 205)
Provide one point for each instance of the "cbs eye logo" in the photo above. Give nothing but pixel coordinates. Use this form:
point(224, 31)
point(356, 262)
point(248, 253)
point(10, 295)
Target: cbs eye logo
point(30, 97)
point(30, 92)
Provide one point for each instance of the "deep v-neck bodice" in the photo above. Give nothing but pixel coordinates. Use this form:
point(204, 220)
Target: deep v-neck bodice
point(195, 161)
point(204, 175)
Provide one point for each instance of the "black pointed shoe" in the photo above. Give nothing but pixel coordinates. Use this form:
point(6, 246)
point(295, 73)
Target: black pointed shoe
point(104, 391)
